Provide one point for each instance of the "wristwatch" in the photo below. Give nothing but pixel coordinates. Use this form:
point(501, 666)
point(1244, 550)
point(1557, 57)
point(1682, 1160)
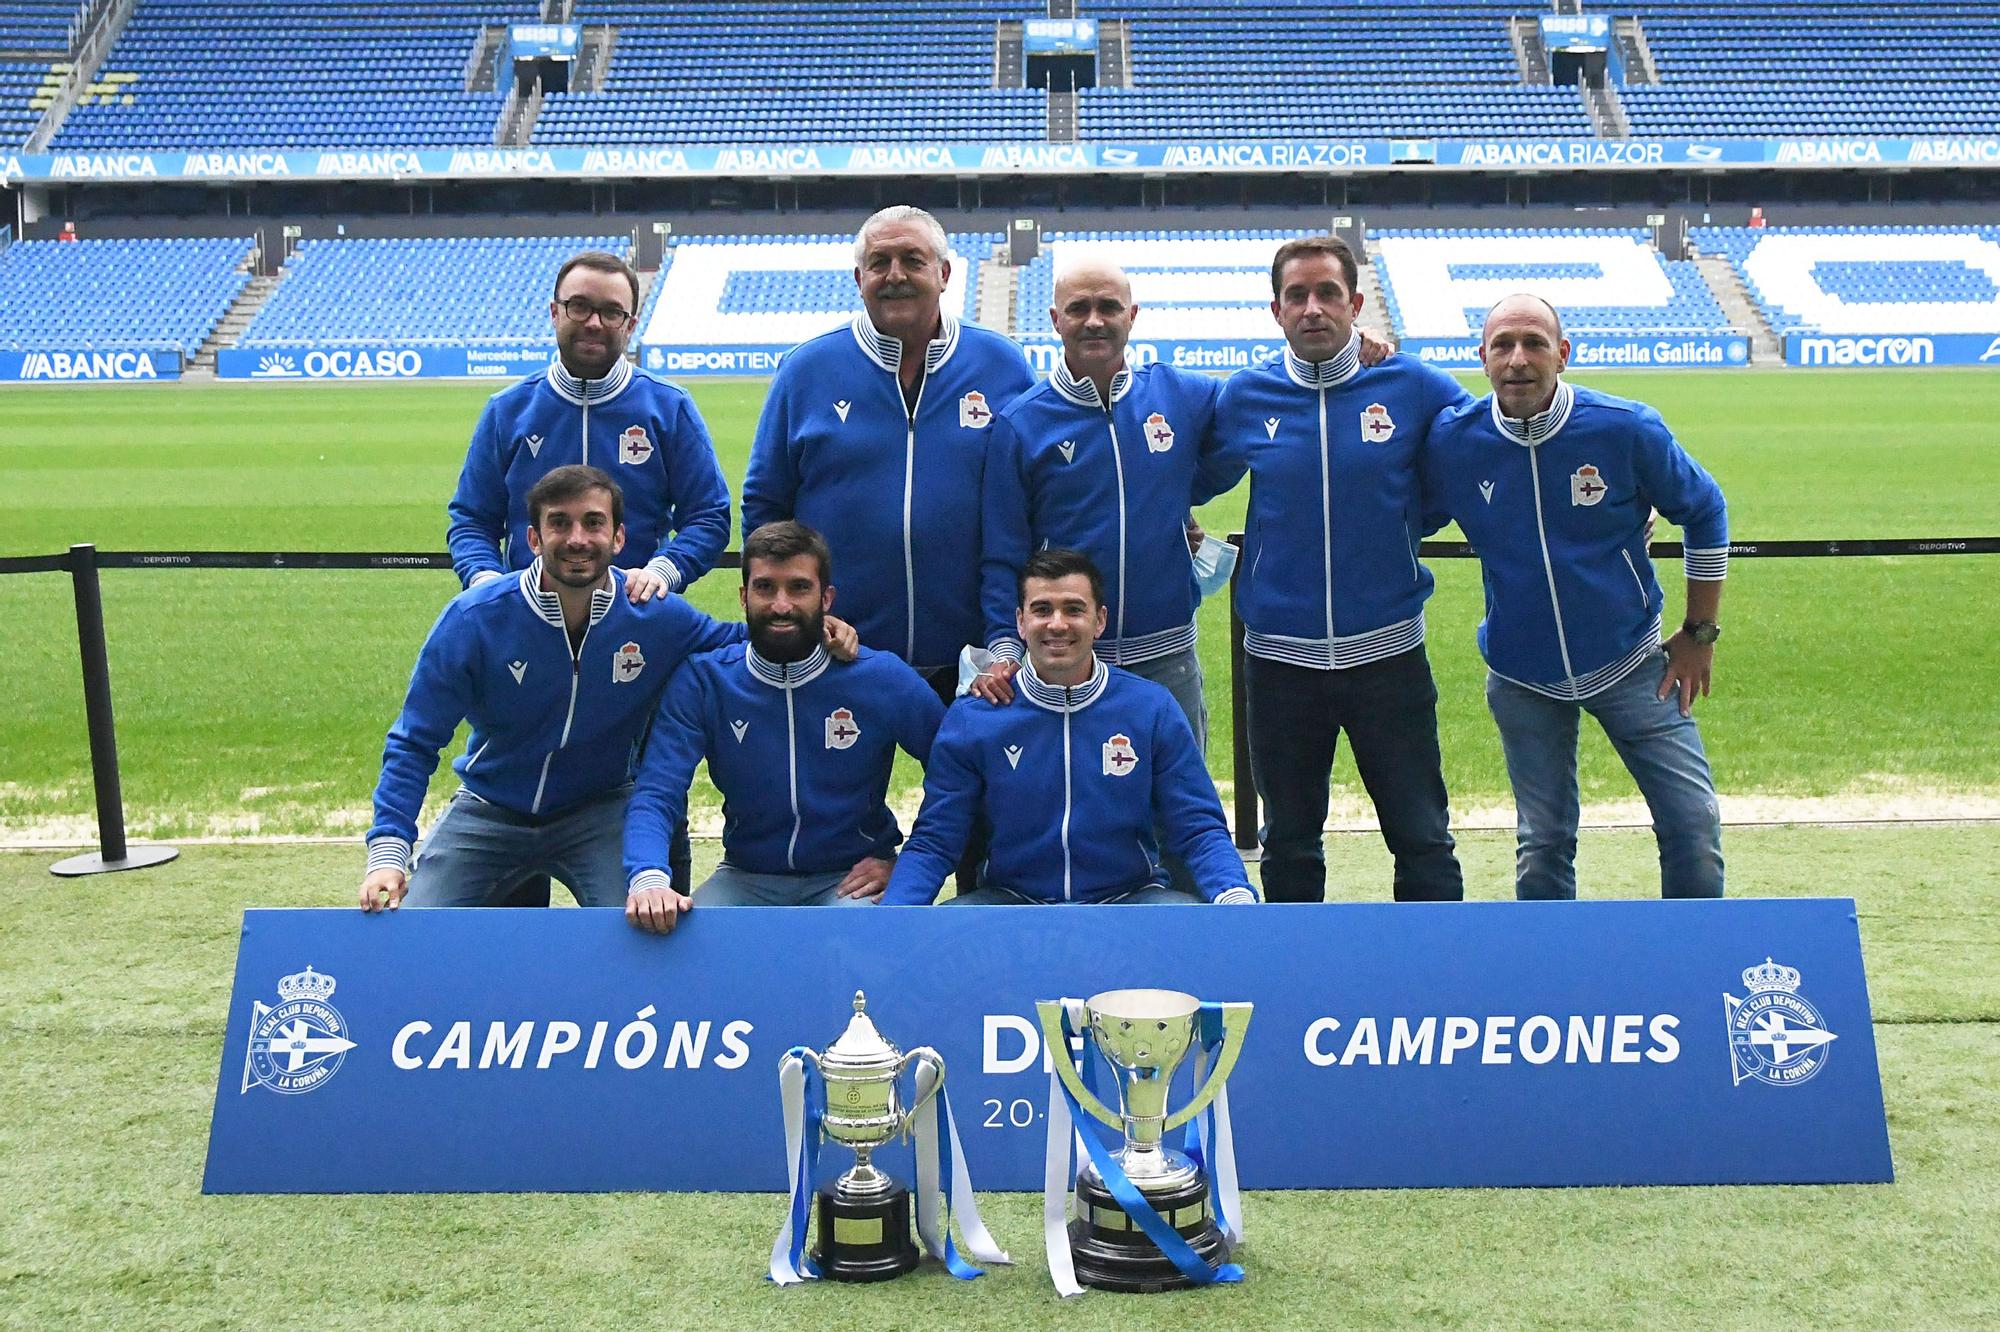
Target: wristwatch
point(1703, 632)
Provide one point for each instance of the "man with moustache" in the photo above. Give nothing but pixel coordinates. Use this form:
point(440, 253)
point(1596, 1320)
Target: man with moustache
point(1553, 486)
point(876, 434)
point(1331, 593)
point(800, 746)
point(1074, 775)
point(558, 670)
point(593, 408)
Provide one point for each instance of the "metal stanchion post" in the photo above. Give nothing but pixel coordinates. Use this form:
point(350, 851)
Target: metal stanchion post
point(1239, 731)
point(111, 853)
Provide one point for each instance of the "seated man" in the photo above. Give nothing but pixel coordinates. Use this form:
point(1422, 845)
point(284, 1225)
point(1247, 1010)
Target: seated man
point(800, 747)
point(558, 671)
point(1074, 774)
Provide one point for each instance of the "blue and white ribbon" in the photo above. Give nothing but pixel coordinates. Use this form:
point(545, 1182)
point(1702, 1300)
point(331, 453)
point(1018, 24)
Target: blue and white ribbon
point(1064, 1113)
point(1210, 1143)
point(804, 1097)
point(933, 1128)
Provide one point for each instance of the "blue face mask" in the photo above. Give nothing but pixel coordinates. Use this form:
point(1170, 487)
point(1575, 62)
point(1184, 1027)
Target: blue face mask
point(1213, 563)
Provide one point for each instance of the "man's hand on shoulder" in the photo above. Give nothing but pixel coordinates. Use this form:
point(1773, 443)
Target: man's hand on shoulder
point(1375, 350)
point(384, 889)
point(993, 683)
point(642, 585)
point(656, 910)
point(867, 879)
point(842, 643)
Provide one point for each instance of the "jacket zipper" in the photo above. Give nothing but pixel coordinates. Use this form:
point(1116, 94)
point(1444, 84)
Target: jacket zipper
point(1326, 519)
point(909, 481)
point(792, 768)
point(1548, 566)
point(1066, 797)
point(569, 718)
point(1118, 461)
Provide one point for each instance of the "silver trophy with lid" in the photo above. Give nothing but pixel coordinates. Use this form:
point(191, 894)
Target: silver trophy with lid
point(864, 1214)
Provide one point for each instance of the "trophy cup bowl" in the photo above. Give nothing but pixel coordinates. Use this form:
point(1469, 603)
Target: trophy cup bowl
point(1144, 1034)
point(864, 1214)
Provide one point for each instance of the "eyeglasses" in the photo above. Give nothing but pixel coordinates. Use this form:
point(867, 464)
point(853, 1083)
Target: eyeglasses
point(580, 310)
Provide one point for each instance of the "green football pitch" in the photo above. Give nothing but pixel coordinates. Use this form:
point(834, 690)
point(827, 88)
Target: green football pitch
point(254, 703)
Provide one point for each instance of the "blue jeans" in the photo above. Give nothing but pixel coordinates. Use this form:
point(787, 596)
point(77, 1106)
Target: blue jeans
point(1389, 710)
point(1180, 674)
point(730, 886)
point(1147, 896)
point(1661, 749)
point(480, 855)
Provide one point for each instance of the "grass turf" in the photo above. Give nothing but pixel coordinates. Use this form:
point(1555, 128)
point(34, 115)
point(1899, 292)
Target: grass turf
point(111, 1012)
point(256, 701)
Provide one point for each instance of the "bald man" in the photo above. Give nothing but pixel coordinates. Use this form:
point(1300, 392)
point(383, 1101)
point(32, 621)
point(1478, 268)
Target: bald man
point(1553, 486)
point(1107, 460)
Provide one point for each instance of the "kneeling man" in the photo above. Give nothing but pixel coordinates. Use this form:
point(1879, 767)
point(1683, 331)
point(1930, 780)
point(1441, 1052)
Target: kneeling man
point(1073, 774)
point(800, 746)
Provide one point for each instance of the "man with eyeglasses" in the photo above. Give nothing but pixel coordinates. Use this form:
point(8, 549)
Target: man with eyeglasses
point(593, 407)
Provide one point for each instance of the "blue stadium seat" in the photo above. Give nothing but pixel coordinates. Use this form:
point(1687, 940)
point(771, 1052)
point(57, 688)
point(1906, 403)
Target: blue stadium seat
point(118, 293)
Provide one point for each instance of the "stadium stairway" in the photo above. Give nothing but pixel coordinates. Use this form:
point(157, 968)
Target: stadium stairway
point(1374, 310)
point(1729, 292)
point(997, 292)
point(230, 327)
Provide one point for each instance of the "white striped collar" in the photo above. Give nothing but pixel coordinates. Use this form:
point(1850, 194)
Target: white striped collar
point(1083, 392)
point(1337, 369)
point(1064, 698)
point(887, 352)
point(549, 606)
point(787, 674)
point(580, 391)
point(1542, 426)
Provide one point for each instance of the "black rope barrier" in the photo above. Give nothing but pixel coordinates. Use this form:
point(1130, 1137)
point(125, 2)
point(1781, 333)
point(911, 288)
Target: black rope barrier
point(83, 562)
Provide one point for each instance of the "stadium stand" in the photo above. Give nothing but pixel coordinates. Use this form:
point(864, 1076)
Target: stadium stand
point(457, 291)
point(20, 83)
point(35, 42)
point(1291, 69)
point(269, 74)
point(118, 293)
point(1817, 67)
point(1926, 280)
point(809, 71)
point(1440, 283)
point(776, 291)
point(1187, 284)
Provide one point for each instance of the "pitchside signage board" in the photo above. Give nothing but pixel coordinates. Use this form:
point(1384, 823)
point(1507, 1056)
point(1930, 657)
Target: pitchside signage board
point(1393, 1045)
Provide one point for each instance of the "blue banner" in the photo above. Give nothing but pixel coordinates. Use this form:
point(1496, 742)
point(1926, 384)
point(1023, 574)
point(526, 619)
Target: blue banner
point(385, 361)
point(1892, 349)
point(98, 365)
point(1218, 354)
point(1589, 351)
point(1393, 1045)
point(980, 159)
point(1043, 36)
point(689, 362)
point(1576, 32)
point(543, 41)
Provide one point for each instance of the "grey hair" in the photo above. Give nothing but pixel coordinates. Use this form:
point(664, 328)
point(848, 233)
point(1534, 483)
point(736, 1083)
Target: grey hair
point(940, 246)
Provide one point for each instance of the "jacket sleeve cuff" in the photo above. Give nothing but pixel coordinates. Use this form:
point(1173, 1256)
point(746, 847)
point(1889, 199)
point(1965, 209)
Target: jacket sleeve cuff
point(649, 878)
point(484, 575)
point(1005, 649)
point(667, 570)
point(388, 853)
point(1706, 566)
point(1236, 896)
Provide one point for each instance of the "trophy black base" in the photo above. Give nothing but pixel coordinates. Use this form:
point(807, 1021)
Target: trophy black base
point(866, 1239)
point(1110, 1252)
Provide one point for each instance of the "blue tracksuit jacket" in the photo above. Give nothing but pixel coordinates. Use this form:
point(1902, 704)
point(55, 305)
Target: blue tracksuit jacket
point(800, 751)
point(1556, 507)
point(644, 431)
point(1114, 481)
point(1072, 780)
point(551, 726)
point(894, 491)
point(1330, 577)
